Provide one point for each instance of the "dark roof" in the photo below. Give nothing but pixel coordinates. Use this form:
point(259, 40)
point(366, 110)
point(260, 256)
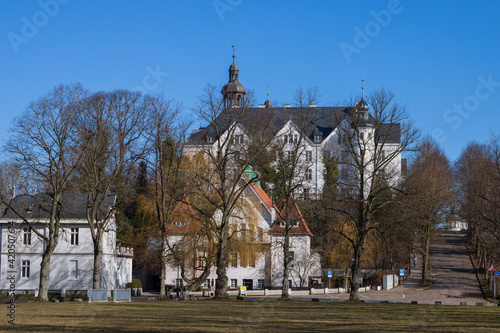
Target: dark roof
point(318, 119)
point(74, 206)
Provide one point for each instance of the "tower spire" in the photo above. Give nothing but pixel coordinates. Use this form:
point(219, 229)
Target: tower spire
point(267, 92)
point(234, 51)
point(363, 87)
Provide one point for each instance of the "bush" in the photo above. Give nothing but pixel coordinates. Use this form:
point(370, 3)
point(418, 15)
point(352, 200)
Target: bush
point(136, 283)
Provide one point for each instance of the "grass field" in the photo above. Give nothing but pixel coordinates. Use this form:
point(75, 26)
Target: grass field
point(241, 316)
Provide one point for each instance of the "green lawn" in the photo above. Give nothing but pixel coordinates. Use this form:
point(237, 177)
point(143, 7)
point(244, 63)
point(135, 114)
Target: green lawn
point(238, 316)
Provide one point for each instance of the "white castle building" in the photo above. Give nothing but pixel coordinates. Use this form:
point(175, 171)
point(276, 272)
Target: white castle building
point(323, 132)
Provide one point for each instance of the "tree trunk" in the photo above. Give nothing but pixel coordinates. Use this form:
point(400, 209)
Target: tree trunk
point(221, 281)
point(356, 269)
point(96, 273)
point(43, 294)
point(163, 263)
point(286, 265)
point(425, 261)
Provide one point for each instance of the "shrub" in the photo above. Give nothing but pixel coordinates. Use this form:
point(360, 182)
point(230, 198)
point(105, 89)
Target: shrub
point(136, 283)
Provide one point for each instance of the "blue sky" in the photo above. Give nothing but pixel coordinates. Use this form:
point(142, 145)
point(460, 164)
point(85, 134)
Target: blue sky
point(440, 58)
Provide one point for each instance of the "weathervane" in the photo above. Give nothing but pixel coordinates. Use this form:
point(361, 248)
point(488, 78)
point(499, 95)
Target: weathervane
point(234, 50)
point(267, 92)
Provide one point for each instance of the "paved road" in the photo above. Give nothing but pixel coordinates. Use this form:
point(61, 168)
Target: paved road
point(453, 278)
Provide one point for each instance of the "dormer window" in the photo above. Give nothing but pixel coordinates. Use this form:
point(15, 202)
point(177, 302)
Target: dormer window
point(238, 139)
point(210, 139)
point(317, 138)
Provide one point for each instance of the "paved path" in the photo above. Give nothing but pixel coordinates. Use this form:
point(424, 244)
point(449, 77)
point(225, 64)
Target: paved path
point(453, 278)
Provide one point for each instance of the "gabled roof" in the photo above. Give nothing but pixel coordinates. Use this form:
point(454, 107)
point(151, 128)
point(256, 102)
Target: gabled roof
point(262, 195)
point(185, 214)
point(318, 120)
point(295, 215)
point(38, 206)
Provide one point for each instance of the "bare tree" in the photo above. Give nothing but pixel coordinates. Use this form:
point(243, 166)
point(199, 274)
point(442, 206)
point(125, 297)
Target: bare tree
point(43, 142)
point(110, 131)
point(229, 149)
point(166, 137)
point(293, 173)
point(477, 183)
point(428, 198)
point(369, 154)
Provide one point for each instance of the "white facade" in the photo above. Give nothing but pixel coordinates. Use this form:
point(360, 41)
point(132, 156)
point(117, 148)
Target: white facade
point(71, 263)
point(256, 217)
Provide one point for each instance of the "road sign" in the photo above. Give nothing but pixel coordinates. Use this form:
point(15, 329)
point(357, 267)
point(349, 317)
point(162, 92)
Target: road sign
point(492, 269)
point(330, 274)
point(402, 271)
point(497, 273)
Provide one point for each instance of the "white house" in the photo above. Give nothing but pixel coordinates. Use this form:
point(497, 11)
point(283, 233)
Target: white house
point(72, 261)
point(255, 259)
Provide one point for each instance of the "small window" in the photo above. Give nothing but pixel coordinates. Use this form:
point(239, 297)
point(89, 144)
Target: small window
point(206, 284)
point(210, 139)
point(295, 138)
point(233, 259)
point(290, 284)
point(238, 139)
point(234, 283)
point(290, 154)
point(260, 283)
point(25, 269)
point(74, 236)
point(309, 156)
point(27, 236)
point(309, 174)
point(317, 138)
point(73, 269)
point(179, 282)
point(382, 154)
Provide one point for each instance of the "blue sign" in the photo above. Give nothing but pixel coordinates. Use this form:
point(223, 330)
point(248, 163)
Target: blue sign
point(497, 273)
point(360, 280)
point(330, 274)
point(402, 271)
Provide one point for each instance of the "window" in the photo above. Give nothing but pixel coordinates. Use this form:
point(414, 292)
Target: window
point(74, 236)
point(179, 282)
point(238, 139)
point(73, 269)
point(309, 174)
point(27, 236)
point(25, 268)
point(306, 194)
point(290, 284)
point(285, 139)
point(382, 154)
point(309, 156)
point(206, 284)
point(251, 260)
point(291, 255)
point(317, 138)
point(210, 139)
point(233, 259)
point(234, 283)
point(290, 154)
point(295, 138)
point(260, 283)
